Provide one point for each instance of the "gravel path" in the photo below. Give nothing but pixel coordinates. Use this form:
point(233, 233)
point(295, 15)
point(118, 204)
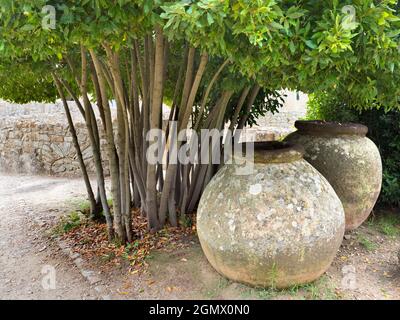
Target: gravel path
point(27, 257)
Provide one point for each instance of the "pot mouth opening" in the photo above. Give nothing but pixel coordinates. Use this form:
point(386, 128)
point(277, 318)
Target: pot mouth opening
point(321, 127)
point(275, 152)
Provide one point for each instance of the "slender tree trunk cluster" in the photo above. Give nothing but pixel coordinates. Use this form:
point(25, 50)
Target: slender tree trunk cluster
point(135, 79)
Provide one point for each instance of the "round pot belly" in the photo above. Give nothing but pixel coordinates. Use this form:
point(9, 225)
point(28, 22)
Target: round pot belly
point(349, 161)
point(279, 226)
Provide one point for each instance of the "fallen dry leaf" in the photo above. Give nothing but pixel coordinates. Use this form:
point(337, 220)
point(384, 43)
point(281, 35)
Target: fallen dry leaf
point(150, 282)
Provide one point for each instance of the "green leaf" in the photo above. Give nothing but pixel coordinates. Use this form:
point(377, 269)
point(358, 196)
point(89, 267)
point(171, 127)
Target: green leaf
point(28, 27)
point(276, 25)
point(210, 19)
point(311, 44)
point(295, 15)
point(292, 47)
point(393, 33)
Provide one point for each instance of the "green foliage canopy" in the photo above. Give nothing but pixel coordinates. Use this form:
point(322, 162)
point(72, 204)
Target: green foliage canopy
point(302, 45)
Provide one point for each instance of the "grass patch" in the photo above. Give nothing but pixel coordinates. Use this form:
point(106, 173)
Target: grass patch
point(390, 225)
point(130, 249)
point(73, 220)
point(80, 205)
point(221, 284)
point(267, 294)
point(312, 290)
point(107, 257)
point(386, 223)
point(366, 243)
point(259, 293)
point(84, 207)
point(321, 288)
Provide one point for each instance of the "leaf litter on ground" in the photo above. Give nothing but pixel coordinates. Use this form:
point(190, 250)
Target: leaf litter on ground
point(90, 240)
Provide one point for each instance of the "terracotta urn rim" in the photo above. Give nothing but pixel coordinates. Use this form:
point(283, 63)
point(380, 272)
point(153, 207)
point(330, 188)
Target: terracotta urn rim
point(320, 127)
point(276, 152)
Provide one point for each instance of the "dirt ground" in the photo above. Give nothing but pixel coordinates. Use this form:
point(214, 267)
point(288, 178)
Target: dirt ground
point(28, 205)
point(366, 267)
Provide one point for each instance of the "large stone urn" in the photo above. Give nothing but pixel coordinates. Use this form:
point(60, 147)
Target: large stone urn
point(279, 225)
point(348, 160)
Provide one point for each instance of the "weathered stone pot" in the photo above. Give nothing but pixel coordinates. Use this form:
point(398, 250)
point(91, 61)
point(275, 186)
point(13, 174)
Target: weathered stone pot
point(279, 226)
point(348, 160)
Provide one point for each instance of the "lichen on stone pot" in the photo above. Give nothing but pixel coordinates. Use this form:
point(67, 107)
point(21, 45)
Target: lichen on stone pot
point(279, 225)
point(349, 161)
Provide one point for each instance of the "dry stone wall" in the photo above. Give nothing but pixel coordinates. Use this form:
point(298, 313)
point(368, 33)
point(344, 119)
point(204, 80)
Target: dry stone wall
point(35, 138)
point(275, 126)
point(32, 147)
point(280, 124)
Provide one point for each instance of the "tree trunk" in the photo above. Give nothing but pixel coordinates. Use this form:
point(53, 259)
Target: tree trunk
point(95, 211)
point(156, 103)
point(94, 144)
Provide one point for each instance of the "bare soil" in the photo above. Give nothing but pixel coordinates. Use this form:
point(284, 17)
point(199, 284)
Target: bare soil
point(356, 273)
point(366, 267)
point(28, 206)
